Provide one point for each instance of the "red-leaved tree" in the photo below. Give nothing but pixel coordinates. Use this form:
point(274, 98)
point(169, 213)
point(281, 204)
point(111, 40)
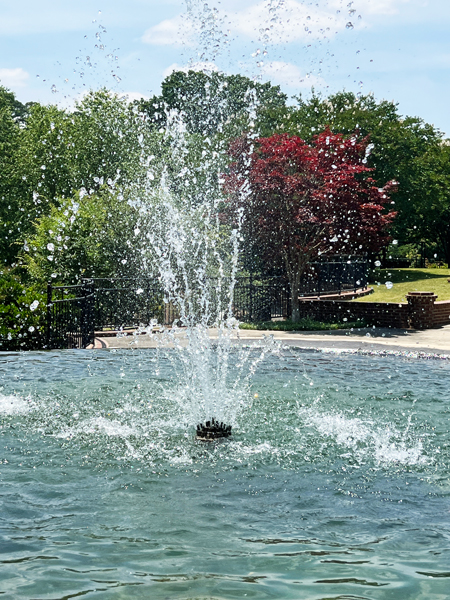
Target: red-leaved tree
point(301, 201)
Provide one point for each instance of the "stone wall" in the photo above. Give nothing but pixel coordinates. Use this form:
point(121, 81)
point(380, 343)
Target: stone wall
point(420, 312)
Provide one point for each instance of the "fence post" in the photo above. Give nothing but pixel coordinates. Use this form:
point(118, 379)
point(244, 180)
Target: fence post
point(49, 315)
point(319, 279)
point(250, 310)
point(87, 321)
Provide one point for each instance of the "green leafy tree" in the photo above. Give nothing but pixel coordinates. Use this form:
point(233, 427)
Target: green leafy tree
point(88, 235)
point(108, 142)
point(214, 102)
point(9, 207)
point(9, 101)
point(431, 212)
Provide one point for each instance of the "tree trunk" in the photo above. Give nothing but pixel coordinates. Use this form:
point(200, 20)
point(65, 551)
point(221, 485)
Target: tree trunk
point(445, 241)
point(294, 283)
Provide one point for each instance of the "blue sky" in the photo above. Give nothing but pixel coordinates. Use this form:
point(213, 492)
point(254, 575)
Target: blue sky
point(52, 51)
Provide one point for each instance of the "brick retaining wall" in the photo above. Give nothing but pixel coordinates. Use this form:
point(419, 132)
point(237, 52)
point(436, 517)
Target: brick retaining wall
point(420, 312)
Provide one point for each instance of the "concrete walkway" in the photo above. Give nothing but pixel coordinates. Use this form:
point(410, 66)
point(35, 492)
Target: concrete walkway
point(430, 341)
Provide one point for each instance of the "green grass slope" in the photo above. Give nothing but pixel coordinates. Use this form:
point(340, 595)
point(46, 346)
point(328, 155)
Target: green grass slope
point(407, 280)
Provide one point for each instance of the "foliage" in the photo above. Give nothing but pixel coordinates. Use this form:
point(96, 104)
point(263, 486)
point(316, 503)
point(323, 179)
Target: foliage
point(9, 209)
point(301, 201)
point(56, 153)
point(16, 109)
point(22, 314)
point(213, 102)
point(430, 215)
point(399, 146)
point(304, 324)
point(89, 235)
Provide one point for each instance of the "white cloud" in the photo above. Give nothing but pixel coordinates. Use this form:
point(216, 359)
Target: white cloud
point(290, 75)
point(170, 32)
point(14, 78)
point(381, 7)
point(292, 21)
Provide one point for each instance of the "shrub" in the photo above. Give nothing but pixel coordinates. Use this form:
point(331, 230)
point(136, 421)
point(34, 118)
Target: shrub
point(22, 314)
point(305, 324)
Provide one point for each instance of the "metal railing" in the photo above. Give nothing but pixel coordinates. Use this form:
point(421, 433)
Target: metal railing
point(69, 315)
point(257, 299)
point(121, 302)
point(76, 312)
point(334, 277)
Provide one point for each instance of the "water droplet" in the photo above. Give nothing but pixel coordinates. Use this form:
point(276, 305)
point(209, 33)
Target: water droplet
point(34, 305)
point(395, 242)
point(377, 263)
point(389, 285)
point(349, 25)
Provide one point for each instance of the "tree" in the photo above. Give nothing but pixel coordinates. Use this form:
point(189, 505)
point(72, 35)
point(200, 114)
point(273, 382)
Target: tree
point(431, 213)
point(212, 102)
point(9, 214)
point(302, 200)
point(398, 144)
point(87, 235)
point(8, 100)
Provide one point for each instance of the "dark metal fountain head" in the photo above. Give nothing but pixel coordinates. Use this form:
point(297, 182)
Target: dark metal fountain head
point(212, 430)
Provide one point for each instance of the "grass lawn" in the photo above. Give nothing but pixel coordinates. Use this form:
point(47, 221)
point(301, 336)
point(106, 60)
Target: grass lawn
point(408, 280)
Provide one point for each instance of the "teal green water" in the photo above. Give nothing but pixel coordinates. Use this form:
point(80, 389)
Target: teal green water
point(335, 484)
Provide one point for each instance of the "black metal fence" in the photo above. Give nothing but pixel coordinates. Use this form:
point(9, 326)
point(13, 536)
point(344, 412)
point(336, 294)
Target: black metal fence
point(75, 313)
point(128, 303)
point(261, 299)
point(70, 322)
point(334, 277)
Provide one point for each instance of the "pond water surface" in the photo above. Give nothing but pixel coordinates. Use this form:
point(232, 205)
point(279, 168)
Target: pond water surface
point(335, 483)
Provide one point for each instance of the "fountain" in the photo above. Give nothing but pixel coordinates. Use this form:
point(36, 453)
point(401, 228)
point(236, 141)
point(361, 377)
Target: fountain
point(334, 484)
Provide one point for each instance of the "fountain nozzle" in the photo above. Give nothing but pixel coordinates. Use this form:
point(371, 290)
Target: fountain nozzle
point(213, 430)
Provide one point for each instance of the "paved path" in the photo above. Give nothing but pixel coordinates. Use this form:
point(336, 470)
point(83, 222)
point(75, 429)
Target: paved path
point(431, 341)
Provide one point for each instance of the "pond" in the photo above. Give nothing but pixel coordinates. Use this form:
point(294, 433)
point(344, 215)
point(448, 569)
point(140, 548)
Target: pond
point(334, 484)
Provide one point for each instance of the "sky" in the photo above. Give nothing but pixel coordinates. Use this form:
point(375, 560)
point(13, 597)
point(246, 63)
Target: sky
point(54, 51)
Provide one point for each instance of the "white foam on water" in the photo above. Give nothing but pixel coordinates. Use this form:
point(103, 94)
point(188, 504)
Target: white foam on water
point(347, 432)
point(15, 405)
point(99, 426)
point(388, 451)
point(245, 450)
point(366, 439)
